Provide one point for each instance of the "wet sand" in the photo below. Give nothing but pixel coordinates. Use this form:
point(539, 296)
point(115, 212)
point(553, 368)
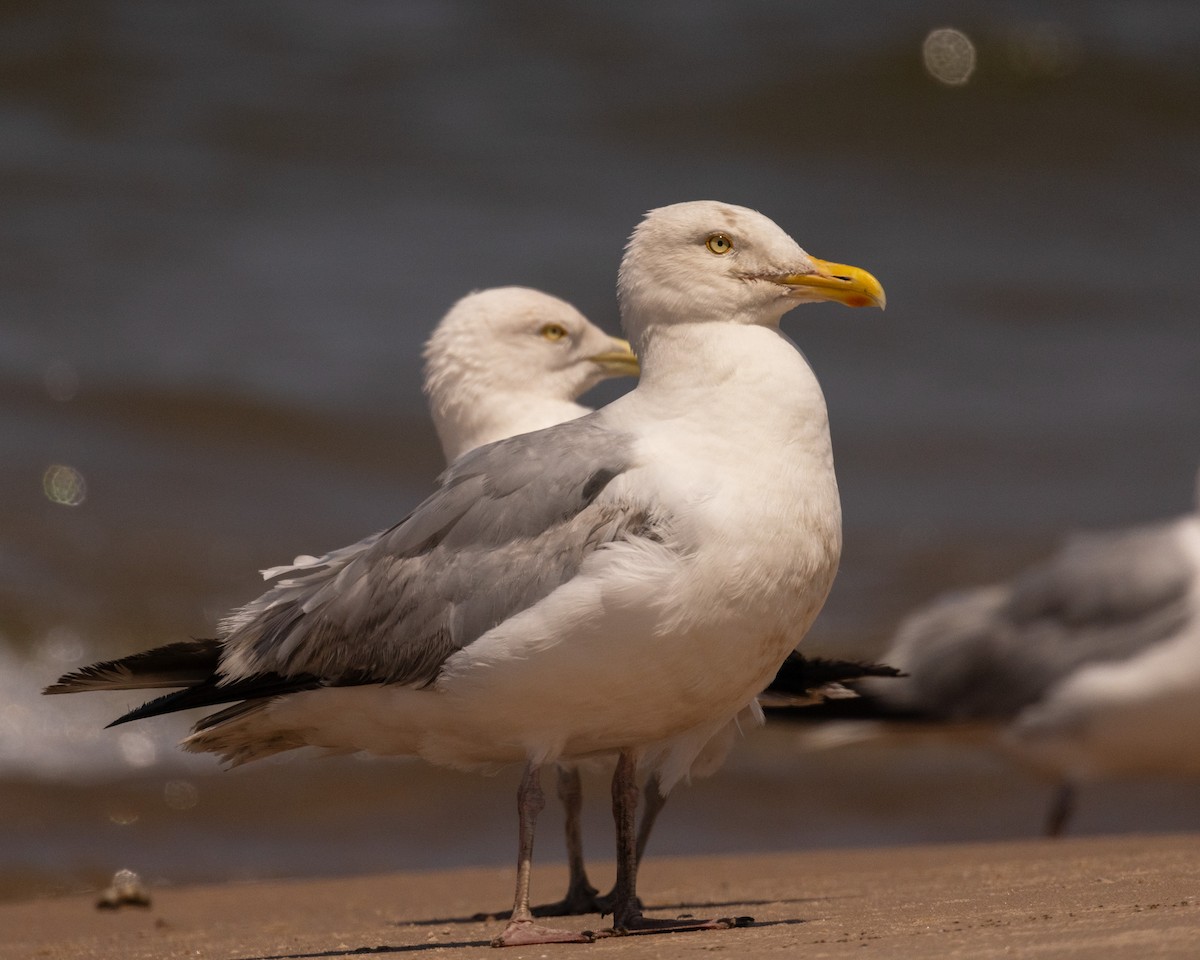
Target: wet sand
point(1116, 897)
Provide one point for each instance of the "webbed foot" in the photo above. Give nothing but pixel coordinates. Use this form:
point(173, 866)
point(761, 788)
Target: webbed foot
point(523, 933)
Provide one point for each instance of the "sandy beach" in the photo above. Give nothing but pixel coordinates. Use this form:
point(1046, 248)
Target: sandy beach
point(1116, 897)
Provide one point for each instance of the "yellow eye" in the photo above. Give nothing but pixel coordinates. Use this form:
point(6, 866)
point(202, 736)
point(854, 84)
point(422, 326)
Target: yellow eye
point(553, 332)
point(719, 244)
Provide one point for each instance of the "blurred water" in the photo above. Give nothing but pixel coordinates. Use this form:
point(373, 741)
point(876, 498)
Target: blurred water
point(228, 228)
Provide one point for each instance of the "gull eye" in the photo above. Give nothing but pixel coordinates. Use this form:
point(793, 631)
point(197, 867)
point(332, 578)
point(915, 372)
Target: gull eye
point(553, 332)
point(719, 244)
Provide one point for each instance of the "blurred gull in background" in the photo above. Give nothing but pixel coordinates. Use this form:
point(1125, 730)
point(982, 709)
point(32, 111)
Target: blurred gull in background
point(1086, 665)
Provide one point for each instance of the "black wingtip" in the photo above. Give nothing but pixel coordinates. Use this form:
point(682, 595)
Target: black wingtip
point(179, 664)
point(799, 674)
point(151, 708)
point(211, 693)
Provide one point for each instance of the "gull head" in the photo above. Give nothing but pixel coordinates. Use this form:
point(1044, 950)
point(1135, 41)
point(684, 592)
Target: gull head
point(501, 355)
point(518, 339)
point(707, 261)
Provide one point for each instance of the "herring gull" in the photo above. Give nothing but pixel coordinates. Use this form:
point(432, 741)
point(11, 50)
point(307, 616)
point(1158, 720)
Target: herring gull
point(624, 583)
point(1086, 665)
point(511, 360)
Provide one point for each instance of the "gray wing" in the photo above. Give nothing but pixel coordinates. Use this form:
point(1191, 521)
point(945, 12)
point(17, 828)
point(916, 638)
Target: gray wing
point(988, 653)
point(510, 522)
point(1114, 577)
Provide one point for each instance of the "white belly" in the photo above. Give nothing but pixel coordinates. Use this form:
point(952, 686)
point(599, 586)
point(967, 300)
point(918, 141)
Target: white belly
point(1133, 718)
point(637, 650)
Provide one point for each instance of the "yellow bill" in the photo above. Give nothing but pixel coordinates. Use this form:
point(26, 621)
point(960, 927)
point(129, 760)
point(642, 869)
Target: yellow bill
point(620, 361)
point(852, 286)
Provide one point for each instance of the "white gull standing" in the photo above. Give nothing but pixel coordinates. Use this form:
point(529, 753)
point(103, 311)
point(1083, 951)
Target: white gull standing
point(511, 360)
point(622, 583)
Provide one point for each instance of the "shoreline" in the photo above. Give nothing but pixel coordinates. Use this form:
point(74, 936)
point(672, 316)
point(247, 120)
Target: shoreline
point(1115, 897)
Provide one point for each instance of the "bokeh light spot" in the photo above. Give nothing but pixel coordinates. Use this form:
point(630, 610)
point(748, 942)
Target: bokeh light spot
point(949, 56)
point(64, 485)
point(61, 645)
point(137, 749)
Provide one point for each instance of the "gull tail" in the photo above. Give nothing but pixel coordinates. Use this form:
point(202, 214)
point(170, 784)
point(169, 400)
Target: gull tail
point(803, 681)
point(191, 666)
point(175, 665)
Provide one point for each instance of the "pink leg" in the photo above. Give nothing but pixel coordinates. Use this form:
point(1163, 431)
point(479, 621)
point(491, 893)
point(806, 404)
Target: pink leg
point(655, 801)
point(521, 929)
point(627, 911)
point(581, 895)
